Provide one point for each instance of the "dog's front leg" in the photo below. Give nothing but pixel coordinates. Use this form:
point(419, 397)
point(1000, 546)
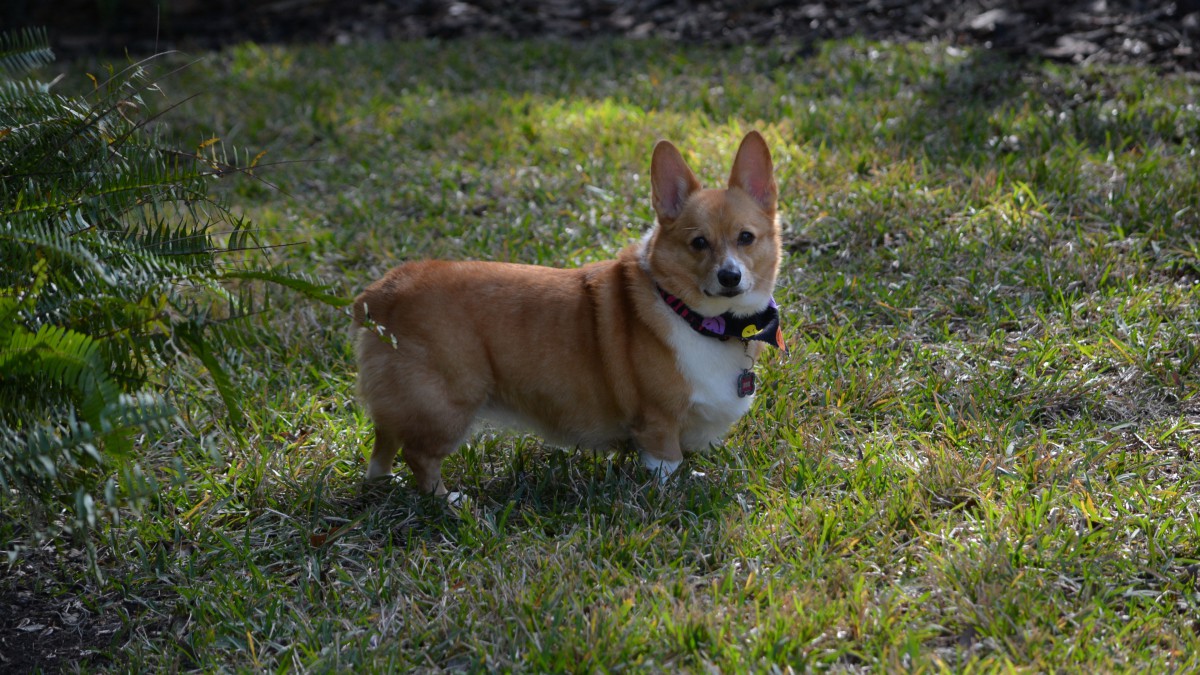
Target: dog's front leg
point(663, 468)
point(658, 444)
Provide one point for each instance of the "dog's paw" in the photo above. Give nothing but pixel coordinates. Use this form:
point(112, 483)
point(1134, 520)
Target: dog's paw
point(377, 485)
point(457, 499)
point(663, 469)
point(377, 470)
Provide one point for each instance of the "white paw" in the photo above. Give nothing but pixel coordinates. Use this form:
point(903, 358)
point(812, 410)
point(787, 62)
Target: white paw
point(663, 468)
point(379, 479)
point(458, 499)
point(375, 470)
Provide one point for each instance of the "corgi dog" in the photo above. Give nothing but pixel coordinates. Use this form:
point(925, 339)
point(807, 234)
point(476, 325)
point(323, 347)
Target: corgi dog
point(655, 347)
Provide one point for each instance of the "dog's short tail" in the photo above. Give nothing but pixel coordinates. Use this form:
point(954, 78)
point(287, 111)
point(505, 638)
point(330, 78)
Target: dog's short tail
point(359, 312)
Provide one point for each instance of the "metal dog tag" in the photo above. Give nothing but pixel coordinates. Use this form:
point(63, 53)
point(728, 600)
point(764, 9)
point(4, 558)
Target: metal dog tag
point(745, 383)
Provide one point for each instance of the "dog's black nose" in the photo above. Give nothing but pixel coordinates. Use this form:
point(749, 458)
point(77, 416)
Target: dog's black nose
point(729, 278)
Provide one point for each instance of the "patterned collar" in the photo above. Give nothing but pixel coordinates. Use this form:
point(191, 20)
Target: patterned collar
point(763, 326)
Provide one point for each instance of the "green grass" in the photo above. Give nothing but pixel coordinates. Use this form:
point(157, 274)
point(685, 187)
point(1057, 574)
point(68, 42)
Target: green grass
point(981, 454)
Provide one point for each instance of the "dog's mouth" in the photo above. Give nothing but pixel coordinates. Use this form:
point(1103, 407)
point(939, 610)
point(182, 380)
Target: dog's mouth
point(726, 293)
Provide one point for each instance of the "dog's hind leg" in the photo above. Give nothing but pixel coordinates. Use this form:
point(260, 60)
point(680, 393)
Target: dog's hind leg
point(425, 431)
point(422, 405)
point(426, 465)
point(426, 449)
point(423, 452)
point(383, 455)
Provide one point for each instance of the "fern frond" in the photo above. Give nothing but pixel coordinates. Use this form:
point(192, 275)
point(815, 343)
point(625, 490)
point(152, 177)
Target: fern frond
point(25, 50)
point(117, 262)
point(296, 282)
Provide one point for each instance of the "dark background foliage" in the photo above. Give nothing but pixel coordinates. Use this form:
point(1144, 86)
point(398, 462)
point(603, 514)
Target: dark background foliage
point(1122, 31)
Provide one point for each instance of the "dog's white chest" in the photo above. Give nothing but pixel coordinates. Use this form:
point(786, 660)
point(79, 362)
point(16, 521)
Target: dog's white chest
point(711, 368)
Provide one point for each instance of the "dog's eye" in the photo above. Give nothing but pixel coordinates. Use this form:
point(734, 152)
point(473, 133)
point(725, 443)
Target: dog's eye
point(699, 243)
point(746, 238)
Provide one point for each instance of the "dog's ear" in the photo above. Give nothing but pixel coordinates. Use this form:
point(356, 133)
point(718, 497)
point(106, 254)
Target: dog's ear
point(753, 171)
point(671, 182)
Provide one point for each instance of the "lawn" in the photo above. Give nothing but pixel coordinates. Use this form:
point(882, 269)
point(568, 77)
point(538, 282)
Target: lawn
point(981, 453)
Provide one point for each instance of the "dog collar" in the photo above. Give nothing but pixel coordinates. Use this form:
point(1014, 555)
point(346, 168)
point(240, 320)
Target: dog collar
point(763, 326)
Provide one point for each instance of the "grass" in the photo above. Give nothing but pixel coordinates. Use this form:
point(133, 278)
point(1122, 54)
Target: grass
point(981, 454)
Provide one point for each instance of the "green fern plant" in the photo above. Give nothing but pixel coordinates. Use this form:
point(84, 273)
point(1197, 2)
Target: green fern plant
point(24, 50)
point(117, 262)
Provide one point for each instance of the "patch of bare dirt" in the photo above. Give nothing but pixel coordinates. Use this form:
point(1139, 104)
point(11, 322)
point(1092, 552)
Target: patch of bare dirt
point(46, 625)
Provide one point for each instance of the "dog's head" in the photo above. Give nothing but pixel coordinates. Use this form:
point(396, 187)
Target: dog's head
point(717, 250)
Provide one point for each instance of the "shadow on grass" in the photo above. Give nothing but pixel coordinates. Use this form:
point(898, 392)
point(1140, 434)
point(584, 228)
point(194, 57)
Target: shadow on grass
point(537, 491)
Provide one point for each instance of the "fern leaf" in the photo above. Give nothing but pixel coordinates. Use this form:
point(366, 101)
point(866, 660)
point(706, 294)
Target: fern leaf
point(200, 348)
point(295, 282)
point(25, 50)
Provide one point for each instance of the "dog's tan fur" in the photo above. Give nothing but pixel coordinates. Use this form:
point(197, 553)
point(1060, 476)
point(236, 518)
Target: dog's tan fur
point(588, 356)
